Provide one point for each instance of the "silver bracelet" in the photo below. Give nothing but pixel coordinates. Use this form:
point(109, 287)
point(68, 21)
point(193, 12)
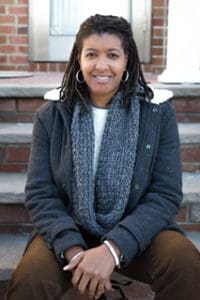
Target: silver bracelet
point(75, 256)
point(113, 252)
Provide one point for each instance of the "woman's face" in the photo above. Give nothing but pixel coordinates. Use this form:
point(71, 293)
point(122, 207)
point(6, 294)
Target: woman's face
point(102, 62)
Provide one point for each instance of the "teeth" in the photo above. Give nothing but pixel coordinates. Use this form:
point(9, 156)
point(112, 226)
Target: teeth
point(102, 77)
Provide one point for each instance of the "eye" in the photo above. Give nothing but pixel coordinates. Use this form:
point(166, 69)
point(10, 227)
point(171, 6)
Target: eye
point(113, 55)
point(91, 54)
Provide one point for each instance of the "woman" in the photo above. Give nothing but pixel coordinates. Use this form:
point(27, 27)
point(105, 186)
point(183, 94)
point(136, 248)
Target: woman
point(104, 180)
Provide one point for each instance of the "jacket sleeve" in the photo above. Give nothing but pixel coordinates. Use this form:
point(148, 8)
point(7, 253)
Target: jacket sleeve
point(46, 209)
point(157, 207)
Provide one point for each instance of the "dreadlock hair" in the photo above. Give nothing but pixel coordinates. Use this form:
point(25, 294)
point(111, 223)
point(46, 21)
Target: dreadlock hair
point(72, 90)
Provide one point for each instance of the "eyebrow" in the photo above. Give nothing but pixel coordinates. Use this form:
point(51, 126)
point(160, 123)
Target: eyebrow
point(111, 49)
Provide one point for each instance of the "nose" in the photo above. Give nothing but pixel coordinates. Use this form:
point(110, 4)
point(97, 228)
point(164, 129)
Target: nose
point(101, 64)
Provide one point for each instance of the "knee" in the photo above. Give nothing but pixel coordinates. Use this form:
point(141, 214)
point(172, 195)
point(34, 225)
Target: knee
point(186, 261)
point(26, 273)
point(182, 260)
point(174, 254)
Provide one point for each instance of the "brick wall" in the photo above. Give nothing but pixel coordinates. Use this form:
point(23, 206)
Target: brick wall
point(14, 38)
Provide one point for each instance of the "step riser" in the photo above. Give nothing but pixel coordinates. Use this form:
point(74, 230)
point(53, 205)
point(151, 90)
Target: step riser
point(187, 109)
point(14, 157)
point(3, 286)
point(14, 218)
point(19, 109)
point(23, 109)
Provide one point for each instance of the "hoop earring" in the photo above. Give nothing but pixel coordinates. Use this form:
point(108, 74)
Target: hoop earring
point(77, 77)
point(126, 77)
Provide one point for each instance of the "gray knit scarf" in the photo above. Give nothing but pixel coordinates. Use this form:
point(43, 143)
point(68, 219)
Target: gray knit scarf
point(99, 201)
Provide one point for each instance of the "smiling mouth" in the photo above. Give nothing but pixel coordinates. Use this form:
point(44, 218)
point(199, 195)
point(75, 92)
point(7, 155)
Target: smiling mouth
point(104, 78)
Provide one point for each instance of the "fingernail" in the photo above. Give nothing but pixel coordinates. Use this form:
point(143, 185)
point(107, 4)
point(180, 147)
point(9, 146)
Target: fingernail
point(65, 268)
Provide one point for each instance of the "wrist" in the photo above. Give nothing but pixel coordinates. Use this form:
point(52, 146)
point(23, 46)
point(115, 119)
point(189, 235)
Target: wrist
point(71, 252)
point(114, 251)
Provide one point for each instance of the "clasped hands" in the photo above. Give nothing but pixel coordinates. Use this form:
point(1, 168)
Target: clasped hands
point(91, 270)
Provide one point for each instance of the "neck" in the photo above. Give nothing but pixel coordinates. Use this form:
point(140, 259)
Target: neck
point(102, 103)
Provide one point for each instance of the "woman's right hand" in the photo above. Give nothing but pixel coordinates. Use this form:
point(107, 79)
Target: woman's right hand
point(91, 271)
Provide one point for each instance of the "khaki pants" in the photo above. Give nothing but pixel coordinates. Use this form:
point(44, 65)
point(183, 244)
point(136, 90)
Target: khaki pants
point(171, 265)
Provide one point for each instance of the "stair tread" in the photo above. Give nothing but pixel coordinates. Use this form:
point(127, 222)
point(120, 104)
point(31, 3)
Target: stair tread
point(21, 132)
point(11, 250)
point(189, 132)
point(12, 187)
point(15, 132)
point(13, 246)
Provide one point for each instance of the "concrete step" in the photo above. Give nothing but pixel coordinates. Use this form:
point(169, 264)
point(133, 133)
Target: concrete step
point(12, 188)
point(14, 217)
point(14, 158)
point(12, 133)
point(21, 133)
point(12, 248)
point(15, 139)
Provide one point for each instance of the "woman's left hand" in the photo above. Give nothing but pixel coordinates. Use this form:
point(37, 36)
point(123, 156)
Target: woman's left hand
point(92, 271)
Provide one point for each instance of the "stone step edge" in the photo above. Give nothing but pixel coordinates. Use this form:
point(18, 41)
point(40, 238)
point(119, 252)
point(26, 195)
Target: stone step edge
point(20, 133)
point(12, 188)
point(13, 246)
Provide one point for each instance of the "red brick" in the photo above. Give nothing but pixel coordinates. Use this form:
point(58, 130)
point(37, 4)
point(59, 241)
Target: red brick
point(158, 22)
point(18, 10)
point(158, 32)
point(33, 67)
point(15, 228)
point(159, 12)
point(3, 39)
point(189, 167)
point(188, 104)
point(157, 42)
point(3, 288)
point(6, 19)
point(159, 3)
point(22, 67)
point(188, 117)
point(53, 67)
point(62, 67)
point(7, 1)
point(3, 59)
point(157, 60)
point(13, 168)
point(7, 67)
point(8, 29)
point(157, 51)
point(23, 20)
point(29, 105)
point(18, 40)
point(17, 154)
point(2, 9)
point(13, 214)
point(182, 215)
point(7, 49)
point(7, 104)
point(190, 154)
point(22, 49)
point(23, 2)
point(43, 67)
point(21, 118)
point(190, 226)
point(22, 30)
point(1, 154)
point(18, 59)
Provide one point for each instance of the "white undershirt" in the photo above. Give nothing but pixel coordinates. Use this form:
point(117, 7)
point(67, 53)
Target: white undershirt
point(99, 119)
